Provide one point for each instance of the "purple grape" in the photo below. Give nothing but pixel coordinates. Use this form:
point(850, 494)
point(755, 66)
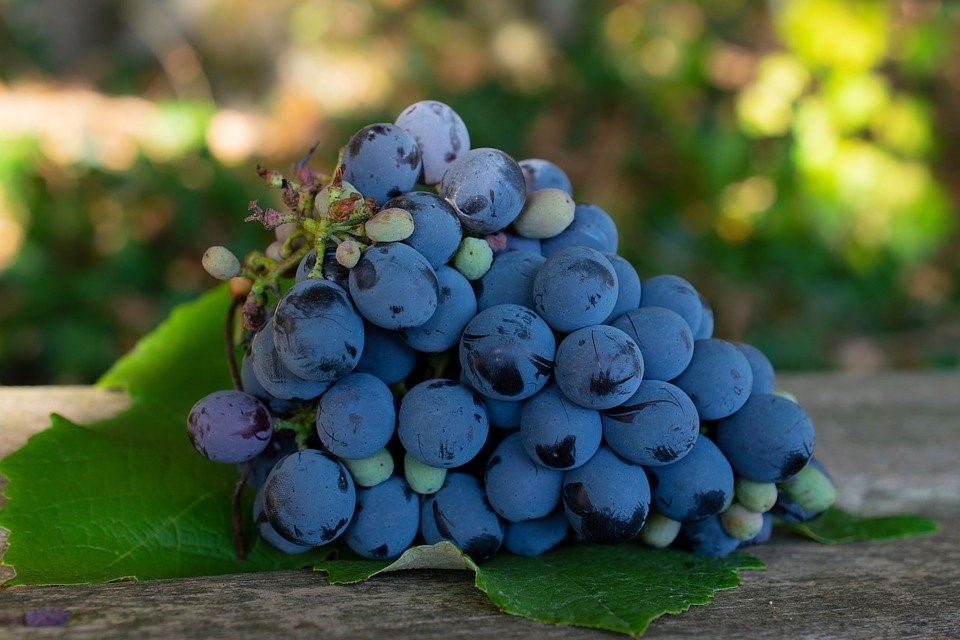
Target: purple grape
point(356, 416)
point(273, 375)
point(436, 227)
point(386, 520)
point(229, 426)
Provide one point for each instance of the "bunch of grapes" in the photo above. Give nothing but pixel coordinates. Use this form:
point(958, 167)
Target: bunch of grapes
point(441, 344)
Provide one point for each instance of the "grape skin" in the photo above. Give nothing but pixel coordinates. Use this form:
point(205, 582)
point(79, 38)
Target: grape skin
point(394, 287)
point(440, 133)
point(382, 161)
point(229, 426)
point(598, 367)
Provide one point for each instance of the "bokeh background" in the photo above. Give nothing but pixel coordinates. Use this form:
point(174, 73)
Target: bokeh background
point(797, 160)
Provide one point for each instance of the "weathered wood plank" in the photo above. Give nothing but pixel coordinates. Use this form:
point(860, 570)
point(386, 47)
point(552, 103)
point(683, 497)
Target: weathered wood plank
point(891, 440)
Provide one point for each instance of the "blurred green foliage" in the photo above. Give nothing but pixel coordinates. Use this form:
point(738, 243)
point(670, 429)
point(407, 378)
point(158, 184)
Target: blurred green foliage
point(793, 159)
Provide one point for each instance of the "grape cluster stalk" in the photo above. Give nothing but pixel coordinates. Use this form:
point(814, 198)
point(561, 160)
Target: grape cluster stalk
point(442, 344)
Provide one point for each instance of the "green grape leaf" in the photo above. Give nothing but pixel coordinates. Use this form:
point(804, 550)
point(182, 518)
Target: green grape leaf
point(129, 497)
point(617, 588)
point(836, 525)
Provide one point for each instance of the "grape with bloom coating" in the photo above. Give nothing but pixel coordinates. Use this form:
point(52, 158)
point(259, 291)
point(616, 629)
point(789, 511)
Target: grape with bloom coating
point(229, 426)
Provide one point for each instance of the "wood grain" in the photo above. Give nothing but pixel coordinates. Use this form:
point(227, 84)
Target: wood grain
point(891, 440)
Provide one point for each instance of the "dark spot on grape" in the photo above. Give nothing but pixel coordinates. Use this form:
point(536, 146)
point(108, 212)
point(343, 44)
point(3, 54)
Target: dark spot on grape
point(445, 294)
point(559, 455)
point(707, 503)
point(482, 547)
point(593, 269)
point(494, 461)
point(473, 205)
point(396, 309)
point(442, 383)
point(364, 275)
point(380, 552)
point(503, 376)
point(793, 463)
point(438, 518)
point(478, 418)
point(450, 156)
point(663, 453)
point(349, 348)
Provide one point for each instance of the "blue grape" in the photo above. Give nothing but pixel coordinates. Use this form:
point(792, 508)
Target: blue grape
point(718, 378)
point(607, 499)
point(556, 432)
point(356, 416)
point(768, 440)
point(706, 537)
point(309, 498)
point(386, 520)
point(542, 174)
point(394, 287)
point(273, 375)
point(503, 414)
point(664, 339)
point(487, 188)
point(628, 287)
point(440, 133)
point(456, 306)
point(268, 533)
point(382, 161)
point(576, 287)
point(705, 330)
point(506, 352)
point(657, 425)
point(459, 512)
point(317, 333)
point(509, 280)
point(436, 227)
point(251, 384)
point(229, 426)
point(442, 423)
point(331, 269)
point(517, 488)
point(673, 292)
point(534, 537)
point(763, 374)
point(591, 227)
point(697, 486)
point(385, 355)
point(598, 367)
point(282, 444)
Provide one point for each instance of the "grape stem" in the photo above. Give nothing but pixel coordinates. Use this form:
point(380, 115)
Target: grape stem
point(231, 351)
point(239, 543)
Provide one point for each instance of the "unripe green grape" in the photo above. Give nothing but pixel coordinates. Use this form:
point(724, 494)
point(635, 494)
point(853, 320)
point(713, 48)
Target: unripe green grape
point(220, 263)
point(810, 489)
point(422, 478)
point(741, 523)
point(389, 225)
point(659, 531)
point(372, 470)
point(756, 496)
point(545, 214)
point(348, 253)
point(473, 258)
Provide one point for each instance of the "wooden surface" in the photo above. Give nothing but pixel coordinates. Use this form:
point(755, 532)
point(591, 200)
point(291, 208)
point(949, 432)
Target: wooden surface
point(892, 442)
